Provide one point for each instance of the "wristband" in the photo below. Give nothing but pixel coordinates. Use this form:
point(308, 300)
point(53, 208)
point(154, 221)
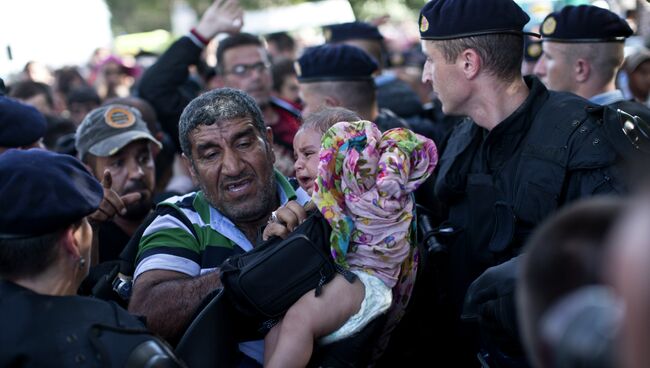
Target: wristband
point(198, 36)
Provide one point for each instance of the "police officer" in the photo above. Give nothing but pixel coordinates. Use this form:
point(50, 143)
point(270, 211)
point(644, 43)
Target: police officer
point(342, 76)
point(392, 93)
point(522, 152)
point(532, 53)
point(45, 246)
point(21, 125)
point(583, 51)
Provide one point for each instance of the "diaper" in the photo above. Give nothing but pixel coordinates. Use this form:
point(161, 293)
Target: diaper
point(377, 300)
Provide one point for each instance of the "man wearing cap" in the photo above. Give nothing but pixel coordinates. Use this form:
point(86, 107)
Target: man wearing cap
point(45, 246)
point(532, 53)
point(583, 51)
point(522, 152)
point(637, 67)
point(342, 76)
point(114, 142)
point(21, 125)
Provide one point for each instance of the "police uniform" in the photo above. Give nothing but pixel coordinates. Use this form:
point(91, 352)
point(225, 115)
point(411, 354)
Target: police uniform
point(49, 192)
point(343, 63)
point(592, 24)
point(498, 185)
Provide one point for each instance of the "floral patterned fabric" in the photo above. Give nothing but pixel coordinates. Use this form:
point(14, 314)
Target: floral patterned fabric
point(364, 190)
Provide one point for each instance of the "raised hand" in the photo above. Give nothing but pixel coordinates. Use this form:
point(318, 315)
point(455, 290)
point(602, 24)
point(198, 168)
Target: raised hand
point(222, 16)
point(112, 204)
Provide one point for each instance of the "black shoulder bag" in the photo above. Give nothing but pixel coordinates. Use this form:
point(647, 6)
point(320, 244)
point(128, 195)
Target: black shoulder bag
point(266, 281)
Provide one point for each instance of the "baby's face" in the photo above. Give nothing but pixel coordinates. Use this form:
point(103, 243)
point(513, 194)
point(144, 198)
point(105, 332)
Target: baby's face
point(306, 148)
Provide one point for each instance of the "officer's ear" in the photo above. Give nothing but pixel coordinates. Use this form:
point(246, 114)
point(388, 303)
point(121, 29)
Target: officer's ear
point(582, 70)
point(471, 63)
point(70, 242)
point(331, 101)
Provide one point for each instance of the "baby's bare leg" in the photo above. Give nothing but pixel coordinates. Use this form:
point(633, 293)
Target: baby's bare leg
point(310, 318)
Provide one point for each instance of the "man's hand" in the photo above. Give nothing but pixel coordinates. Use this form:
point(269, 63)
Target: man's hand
point(112, 204)
point(222, 16)
point(490, 300)
point(284, 220)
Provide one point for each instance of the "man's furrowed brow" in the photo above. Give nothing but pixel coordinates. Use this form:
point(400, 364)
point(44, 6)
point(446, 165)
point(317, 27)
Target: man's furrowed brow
point(248, 131)
point(205, 146)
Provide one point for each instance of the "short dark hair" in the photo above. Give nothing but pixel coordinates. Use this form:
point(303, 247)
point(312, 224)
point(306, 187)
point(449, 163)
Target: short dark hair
point(323, 119)
point(500, 53)
point(282, 40)
point(279, 71)
point(565, 253)
point(68, 78)
point(358, 96)
point(27, 89)
point(214, 107)
point(240, 39)
point(29, 256)
point(82, 95)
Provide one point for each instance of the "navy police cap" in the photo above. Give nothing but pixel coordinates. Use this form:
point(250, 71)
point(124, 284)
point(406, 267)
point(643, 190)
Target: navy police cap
point(42, 192)
point(352, 31)
point(450, 19)
point(584, 23)
point(20, 124)
point(331, 62)
point(532, 49)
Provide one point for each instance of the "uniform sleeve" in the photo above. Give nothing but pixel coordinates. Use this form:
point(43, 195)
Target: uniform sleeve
point(599, 181)
point(594, 166)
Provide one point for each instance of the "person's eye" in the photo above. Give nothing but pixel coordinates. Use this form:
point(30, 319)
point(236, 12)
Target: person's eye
point(239, 69)
point(144, 159)
point(244, 143)
point(209, 155)
point(117, 164)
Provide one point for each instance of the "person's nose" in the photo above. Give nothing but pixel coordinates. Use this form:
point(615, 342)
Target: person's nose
point(427, 72)
point(298, 165)
point(136, 171)
point(232, 164)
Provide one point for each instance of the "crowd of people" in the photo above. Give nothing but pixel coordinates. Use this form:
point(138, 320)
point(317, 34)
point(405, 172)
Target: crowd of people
point(490, 212)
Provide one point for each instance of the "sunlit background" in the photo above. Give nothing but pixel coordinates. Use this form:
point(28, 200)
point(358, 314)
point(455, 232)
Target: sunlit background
point(67, 32)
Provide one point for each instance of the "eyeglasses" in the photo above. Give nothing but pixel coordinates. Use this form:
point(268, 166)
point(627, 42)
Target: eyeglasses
point(244, 70)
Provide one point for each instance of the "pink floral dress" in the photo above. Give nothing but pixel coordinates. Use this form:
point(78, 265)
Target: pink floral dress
point(364, 190)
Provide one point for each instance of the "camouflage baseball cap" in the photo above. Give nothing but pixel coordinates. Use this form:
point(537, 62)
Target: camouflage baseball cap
point(107, 129)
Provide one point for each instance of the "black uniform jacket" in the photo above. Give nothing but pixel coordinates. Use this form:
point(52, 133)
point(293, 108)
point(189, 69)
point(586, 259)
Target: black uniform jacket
point(64, 331)
point(499, 184)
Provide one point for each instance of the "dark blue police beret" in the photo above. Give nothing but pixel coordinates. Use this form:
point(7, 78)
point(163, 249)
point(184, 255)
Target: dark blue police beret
point(20, 124)
point(42, 192)
point(532, 49)
point(352, 31)
point(334, 63)
point(584, 23)
point(449, 19)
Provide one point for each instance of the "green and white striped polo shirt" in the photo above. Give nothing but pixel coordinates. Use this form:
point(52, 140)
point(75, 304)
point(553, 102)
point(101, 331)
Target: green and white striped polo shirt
point(168, 244)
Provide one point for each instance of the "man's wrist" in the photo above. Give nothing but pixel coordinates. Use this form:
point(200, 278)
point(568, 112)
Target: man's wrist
point(198, 38)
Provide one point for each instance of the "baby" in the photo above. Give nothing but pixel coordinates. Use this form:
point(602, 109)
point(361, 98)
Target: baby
point(306, 143)
point(361, 180)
